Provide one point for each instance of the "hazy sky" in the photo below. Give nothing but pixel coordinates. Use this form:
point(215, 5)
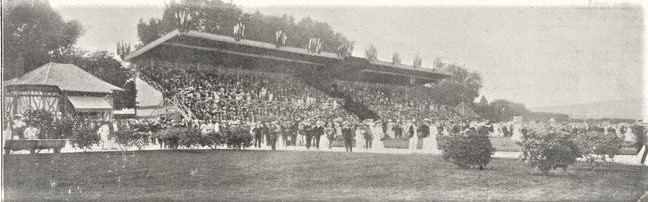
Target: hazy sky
point(541, 56)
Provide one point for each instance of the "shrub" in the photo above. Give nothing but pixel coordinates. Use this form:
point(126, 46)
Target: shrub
point(131, 138)
point(189, 137)
point(597, 145)
point(467, 149)
point(41, 119)
point(548, 149)
point(211, 140)
point(84, 135)
point(171, 137)
point(238, 138)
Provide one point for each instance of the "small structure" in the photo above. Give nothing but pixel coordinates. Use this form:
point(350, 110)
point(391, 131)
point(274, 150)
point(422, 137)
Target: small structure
point(464, 110)
point(62, 89)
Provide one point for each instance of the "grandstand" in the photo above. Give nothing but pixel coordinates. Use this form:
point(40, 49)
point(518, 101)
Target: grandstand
point(212, 77)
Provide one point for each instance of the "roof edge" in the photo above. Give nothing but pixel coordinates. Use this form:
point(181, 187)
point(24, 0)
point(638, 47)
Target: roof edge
point(152, 45)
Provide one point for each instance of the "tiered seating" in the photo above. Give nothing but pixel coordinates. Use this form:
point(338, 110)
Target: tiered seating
point(216, 93)
point(396, 102)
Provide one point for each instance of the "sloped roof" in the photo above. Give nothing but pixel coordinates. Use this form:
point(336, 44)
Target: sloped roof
point(466, 111)
point(67, 77)
point(483, 102)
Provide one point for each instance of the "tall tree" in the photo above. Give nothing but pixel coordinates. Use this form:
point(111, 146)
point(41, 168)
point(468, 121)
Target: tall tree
point(463, 86)
point(396, 58)
point(371, 53)
point(31, 32)
point(504, 110)
point(417, 61)
point(215, 16)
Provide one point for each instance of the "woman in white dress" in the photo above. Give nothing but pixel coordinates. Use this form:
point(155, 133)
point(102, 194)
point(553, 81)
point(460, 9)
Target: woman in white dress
point(377, 132)
point(390, 127)
point(328, 132)
point(430, 142)
point(359, 137)
point(413, 140)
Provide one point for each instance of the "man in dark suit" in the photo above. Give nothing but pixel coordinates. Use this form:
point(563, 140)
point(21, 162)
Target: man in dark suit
point(294, 129)
point(309, 134)
point(258, 135)
point(347, 132)
point(318, 131)
point(398, 130)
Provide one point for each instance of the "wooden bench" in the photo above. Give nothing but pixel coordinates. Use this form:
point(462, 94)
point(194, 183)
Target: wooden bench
point(33, 145)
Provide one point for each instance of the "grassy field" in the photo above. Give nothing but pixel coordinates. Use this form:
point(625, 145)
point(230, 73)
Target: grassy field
point(301, 176)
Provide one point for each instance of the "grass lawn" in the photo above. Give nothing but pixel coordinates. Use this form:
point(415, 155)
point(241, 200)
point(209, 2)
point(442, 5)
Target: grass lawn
point(504, 144)
point(300, 176)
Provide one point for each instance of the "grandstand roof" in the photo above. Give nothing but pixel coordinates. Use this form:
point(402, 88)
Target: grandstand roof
point(67, 77)
point(372, 71)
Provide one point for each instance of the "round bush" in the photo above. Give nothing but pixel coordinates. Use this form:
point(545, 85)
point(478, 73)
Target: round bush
point(548, 149)
point(131, 138)
point(597, 145)
point(84, 135)
point(467, 149)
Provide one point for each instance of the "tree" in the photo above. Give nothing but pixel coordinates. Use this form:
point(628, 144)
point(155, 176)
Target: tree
point(371, 53)
point(396, 58)
point(463, 86)
point(504, 110)
point(417, 61)
point(31, 32)
point(217, 17)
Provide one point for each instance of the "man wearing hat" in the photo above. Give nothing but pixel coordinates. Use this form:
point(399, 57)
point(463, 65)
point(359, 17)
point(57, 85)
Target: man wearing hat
point(258, 136)
point(347, 133)
point(309, 130)
point(318, 131)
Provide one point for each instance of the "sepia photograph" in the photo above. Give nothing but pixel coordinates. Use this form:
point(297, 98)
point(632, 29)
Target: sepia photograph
point(287, 100)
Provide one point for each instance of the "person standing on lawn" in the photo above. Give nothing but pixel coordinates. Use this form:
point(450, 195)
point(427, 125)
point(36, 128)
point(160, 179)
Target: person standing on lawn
point(347, 133)
point(309, 134)
point(258, 136)
point(275, 129)
point(318, 131)
point(644, 132)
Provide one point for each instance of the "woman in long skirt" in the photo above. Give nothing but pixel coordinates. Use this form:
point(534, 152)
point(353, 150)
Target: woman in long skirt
point(413, 139)
point(430, 142)
point(328, 135)
point(377, 132)
point(359, 137)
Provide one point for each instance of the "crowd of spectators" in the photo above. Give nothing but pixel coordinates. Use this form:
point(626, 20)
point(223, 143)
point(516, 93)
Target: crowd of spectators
point(396, 102)
point(219, 94)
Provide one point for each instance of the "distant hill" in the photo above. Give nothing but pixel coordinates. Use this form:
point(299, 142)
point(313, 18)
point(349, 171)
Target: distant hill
point(629, 109)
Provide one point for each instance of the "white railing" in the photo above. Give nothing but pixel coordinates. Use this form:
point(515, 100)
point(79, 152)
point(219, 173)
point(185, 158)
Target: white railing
point(152, 83)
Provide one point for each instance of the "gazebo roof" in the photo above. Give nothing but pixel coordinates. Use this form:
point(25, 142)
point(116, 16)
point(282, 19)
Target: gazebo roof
point(67, 77)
